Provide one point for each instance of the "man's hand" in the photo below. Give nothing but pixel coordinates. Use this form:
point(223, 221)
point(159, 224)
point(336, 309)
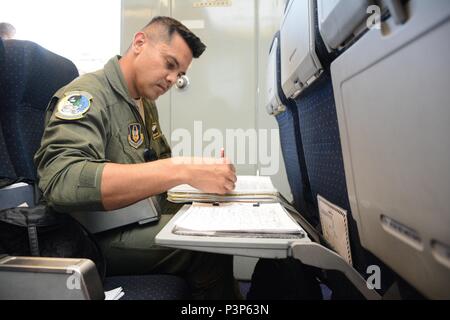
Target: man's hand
point(209, 175)
point(124, 184)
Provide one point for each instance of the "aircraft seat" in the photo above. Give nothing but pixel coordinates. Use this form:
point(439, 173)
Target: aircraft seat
point(340, 21)
point(306, 79)
point(285, 112)
point(7, 173)
point(371, 104)
point(44, 278)
point(392, 98)
point(29, 75)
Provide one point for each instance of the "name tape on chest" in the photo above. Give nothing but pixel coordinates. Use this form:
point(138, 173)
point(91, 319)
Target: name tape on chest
point(156, 133)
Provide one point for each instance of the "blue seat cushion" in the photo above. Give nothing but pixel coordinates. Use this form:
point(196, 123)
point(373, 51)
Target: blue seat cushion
point(150, 287)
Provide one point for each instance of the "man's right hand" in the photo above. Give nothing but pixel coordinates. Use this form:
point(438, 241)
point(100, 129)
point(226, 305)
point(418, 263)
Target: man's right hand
point(124, 184)
point(209, 175)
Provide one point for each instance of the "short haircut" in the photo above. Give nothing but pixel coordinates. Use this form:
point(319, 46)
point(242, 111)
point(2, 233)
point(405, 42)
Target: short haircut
point(171, 25)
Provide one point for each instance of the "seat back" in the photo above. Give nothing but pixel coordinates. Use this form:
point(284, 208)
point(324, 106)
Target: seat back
point(392, 100)
point(339, 20)
point(285, 112)
point(12, 192)
point(30, 76)
point(315, 105)
point(7, 173)
point(319, 129)
point(374, 170)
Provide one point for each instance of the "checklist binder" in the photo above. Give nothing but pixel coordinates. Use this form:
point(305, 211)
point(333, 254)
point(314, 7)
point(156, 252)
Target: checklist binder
point(248, 189)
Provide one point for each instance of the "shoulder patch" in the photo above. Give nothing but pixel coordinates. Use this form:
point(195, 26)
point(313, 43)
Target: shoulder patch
point(73, 105)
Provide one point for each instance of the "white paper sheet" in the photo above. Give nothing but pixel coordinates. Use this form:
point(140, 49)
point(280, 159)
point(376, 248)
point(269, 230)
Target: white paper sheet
point(114, 294)
point(237, 217)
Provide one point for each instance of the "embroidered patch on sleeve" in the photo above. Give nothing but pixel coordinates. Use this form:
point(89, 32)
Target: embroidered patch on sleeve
point(73, 105)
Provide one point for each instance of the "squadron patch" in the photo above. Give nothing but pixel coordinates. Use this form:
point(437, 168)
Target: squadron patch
point(73, 105)
point(135, 135)
point(156, 133)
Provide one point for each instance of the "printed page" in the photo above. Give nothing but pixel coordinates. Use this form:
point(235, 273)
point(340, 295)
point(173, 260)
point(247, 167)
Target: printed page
point(254, 184)
point(237, 217)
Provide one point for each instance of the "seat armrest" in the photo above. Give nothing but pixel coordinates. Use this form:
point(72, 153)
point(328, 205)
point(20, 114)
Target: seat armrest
point(41, 278)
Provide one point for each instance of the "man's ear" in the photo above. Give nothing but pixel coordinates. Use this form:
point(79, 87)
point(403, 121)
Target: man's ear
point(138, 42)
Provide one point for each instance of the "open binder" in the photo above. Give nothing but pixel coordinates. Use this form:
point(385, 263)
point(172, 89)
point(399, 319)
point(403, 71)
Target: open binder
point(252, 210)
point(248, 189)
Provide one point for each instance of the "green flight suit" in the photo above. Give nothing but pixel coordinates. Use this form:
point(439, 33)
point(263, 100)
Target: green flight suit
point(70, 163)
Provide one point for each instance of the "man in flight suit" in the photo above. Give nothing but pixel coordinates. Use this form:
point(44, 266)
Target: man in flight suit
point(94, 155)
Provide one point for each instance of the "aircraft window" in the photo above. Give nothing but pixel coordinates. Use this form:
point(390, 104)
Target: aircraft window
point(84, 31)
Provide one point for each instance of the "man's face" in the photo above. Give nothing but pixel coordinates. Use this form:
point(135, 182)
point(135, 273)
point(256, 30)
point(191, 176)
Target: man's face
point(159, 64)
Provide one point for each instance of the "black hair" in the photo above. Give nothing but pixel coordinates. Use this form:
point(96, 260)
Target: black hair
point(171, 25)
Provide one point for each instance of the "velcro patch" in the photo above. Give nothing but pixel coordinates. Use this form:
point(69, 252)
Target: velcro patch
point(73, 105)
point(135, 135)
